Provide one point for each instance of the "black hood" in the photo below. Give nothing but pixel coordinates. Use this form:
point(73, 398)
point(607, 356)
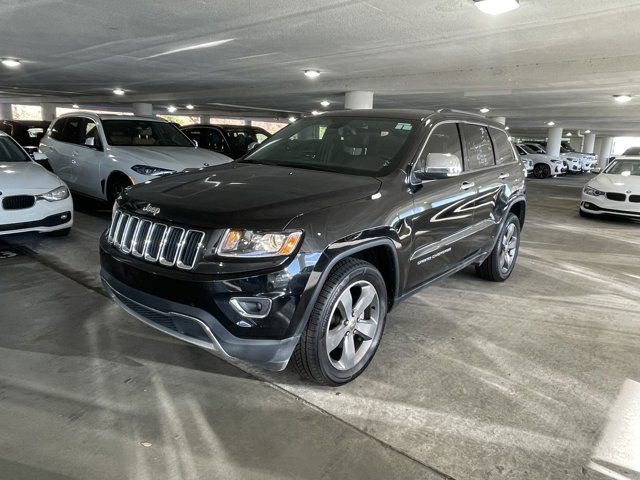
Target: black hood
point(245, 195)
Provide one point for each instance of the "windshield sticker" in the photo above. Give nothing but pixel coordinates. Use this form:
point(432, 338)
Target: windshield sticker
point(403, 126)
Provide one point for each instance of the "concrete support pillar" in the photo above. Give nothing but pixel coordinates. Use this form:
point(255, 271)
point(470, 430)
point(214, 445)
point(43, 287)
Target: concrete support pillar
point(358, 99)
point(502, 120)
point(553, 142)
point(48, 111)
point(209, 119)
point(589, 143)
point(605, 151)
point(246, 122)
point(6, 112)
point(143, 109)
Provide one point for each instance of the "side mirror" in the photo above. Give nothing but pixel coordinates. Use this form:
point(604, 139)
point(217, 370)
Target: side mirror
point(596, 170)
point(440, 165)
point(90, 142)
point(39, 157)
point(195, 143)
point(252, 145)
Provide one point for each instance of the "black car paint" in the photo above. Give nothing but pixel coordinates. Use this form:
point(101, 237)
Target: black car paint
point(340, 215)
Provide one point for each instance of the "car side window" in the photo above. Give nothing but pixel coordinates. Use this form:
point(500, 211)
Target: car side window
point(444, 139)
point(502, 144)
point(57, 129)
point(215, 140)
point(73, 132)
point(478, 146)
point(196, 134)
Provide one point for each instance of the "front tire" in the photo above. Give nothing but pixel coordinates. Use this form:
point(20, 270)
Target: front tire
point(541, 170)
point(345, 326)
point(116, 186)
point(499, 265)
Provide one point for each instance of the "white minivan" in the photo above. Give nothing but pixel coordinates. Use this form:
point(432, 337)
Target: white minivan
point(101, 155)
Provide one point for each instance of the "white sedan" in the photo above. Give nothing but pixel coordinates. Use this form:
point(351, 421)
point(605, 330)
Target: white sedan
point(31, 198)
point(615, 191)
point(543, 165)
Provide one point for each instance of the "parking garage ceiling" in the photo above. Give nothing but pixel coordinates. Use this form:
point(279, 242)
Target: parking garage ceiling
point(548, 60)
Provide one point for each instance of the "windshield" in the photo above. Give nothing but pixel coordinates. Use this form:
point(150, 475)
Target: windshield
point(355, 145)
point(624, 167)
point(11, 152)
point(527, 150)
point(143, 133)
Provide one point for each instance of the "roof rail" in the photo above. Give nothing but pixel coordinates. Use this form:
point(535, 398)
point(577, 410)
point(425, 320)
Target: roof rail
point(452, 110)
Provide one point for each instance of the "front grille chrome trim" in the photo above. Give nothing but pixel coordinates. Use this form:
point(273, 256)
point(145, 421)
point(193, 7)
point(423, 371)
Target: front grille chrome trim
point(155, 242)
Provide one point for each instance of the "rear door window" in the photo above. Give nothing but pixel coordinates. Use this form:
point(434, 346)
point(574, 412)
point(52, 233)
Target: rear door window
point(57, 129)
point(502, 145)
point(478, 146)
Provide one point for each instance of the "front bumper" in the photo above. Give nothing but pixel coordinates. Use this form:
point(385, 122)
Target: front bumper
point(42, 217)
point(198, 327)
point(603, 206)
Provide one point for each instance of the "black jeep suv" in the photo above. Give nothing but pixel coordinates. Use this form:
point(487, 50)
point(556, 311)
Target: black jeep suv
point(300, 248)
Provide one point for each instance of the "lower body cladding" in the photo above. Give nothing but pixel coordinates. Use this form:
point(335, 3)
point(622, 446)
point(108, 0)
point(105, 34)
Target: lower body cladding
point(251, 318)
point(602, 206)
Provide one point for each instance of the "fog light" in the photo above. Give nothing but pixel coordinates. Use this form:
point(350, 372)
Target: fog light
point(252, 307)
point(64, 216)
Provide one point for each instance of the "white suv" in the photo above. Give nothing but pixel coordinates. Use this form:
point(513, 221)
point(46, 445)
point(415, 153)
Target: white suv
point(101, 155)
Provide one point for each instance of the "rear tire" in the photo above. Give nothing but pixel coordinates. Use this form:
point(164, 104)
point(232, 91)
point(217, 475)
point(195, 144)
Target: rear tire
point(499, 265)
point(337, 345)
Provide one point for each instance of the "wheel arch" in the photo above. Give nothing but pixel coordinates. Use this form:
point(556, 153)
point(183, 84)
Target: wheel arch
point(113, 175)
point(519, 208)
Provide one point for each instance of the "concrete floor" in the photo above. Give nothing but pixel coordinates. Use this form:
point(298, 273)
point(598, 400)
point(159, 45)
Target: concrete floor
point(473, 380)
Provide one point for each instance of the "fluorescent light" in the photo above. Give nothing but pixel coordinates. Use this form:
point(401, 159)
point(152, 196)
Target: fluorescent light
point(118, 91)
point(189, 106)
point(312, 73)
point(485, 110)
point(569, 134)
point(506, 128)
point(587, 131)
point(11, 62)
point(496, 7)
point(622, 98)
point(551, 124)
point(75, 105)
point(325, 103)
point(315, 112)
point(292, 119)
point(171, 109)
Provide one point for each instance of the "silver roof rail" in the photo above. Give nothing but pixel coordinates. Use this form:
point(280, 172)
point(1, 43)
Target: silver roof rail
point(452, 110)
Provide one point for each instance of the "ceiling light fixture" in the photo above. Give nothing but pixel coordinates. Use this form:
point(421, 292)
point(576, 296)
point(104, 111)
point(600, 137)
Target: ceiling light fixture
point(171, 109)
point(569, 134)
point(325, 103)
point(551, 124)
point(292, 119)
point(496, 7)
point(315, 112)
point(485, 110)
point(189, 106)
point(312, 73)
point(118, 91)
point(11, 62)
point(75, 105)
point(506, 128)
point(587, 131)
point(622, 98)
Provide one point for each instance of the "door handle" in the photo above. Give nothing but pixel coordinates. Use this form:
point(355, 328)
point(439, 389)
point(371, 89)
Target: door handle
point(503, 176)
point(467, 185)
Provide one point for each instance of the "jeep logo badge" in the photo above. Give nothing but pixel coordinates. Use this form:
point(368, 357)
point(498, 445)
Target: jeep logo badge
point(151, 209)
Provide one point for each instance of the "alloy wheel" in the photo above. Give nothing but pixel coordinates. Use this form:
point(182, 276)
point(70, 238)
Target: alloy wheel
point(353, 325)
point(508, 250)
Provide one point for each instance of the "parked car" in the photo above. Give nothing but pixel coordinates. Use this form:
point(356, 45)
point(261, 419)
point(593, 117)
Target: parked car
point(31, 198)
point(28, 134)
point(577, 162)
point(101, 155)
point(543, 165)
point(528, 165)
point(300, 249)
point(231, 140)
point(615, 191)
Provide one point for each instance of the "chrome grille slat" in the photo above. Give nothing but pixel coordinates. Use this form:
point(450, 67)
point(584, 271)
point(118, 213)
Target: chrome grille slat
point(155, 242)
